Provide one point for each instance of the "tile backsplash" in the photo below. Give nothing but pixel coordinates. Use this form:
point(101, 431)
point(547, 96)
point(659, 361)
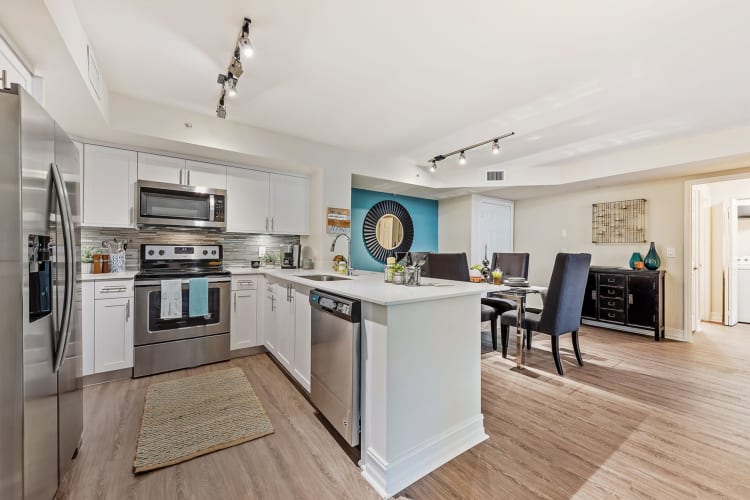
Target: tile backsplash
point(239, 249)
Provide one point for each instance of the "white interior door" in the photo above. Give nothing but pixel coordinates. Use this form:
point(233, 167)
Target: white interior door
point(729, 264)
point(704, 257)
point(695, 234)
point(494, 230)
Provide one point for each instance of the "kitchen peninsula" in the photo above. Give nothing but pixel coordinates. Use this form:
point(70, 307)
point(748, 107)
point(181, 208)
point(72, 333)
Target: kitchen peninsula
point(421, 374)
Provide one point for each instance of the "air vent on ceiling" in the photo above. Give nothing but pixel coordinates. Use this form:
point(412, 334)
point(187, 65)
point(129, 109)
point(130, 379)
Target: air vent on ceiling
point(495, 175)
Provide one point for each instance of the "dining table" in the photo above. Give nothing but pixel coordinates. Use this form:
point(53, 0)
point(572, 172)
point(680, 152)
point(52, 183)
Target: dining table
point(518, 295)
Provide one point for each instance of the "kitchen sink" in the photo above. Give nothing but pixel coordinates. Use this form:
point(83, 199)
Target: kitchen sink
point(322, 277)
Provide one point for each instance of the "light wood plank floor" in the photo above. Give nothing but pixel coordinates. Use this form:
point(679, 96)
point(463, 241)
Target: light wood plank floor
point(640, 420)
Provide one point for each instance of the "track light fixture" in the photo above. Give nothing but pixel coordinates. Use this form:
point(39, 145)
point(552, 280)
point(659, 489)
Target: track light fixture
point(228, 82)
point(221, 110)
point(245, 45)
point(462, 152)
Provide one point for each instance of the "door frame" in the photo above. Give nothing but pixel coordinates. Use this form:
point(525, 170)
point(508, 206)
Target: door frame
point(688, 235)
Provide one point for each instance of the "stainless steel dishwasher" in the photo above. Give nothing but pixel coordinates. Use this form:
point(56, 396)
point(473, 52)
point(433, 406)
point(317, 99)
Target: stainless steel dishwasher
point(335, 358)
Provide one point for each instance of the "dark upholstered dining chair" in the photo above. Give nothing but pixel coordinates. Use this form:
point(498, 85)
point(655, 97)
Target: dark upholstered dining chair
point(455, 266)
point(511, 264)
point(446, 266)
point(562, 307)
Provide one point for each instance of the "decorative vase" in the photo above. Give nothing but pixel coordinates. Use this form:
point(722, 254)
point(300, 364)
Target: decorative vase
point(636, 257)
point(652, 260)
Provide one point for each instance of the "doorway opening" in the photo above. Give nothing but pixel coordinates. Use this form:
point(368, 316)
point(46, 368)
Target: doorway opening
point(718, 249)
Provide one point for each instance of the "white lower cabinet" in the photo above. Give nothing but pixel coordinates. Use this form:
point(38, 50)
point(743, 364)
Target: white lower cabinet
point(244, 319)
point(286, 327)
point(107, 313)
point(302, 338)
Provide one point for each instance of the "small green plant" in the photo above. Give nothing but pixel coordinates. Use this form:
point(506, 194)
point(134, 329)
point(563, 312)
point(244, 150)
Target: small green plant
point(87, 254)
point(398, 268)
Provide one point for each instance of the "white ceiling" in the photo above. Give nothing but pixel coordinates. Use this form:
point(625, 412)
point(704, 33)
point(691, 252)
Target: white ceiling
point(414, 79)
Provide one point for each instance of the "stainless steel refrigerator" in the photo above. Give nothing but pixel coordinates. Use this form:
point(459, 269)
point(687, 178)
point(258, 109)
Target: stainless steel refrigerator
point(41, 401)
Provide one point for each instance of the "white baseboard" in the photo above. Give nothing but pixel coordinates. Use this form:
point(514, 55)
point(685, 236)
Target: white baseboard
point(675, 334)
point(390, 478)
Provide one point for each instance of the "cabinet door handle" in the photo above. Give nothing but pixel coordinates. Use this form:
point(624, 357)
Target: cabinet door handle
point(188, 177)
point(266, 223)
point(112, 290)
point(611, 292)
point(630, 298)
point(593, 294)
point(181, 175)
point(610, 315)
point(235, 301)
point(127, 311)
point(610, 280)
point(271, 223)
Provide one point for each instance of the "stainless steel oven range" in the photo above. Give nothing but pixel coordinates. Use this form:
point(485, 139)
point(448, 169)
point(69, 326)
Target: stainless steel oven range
point(166, 342)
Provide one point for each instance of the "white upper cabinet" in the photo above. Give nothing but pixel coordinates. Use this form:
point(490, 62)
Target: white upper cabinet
point(157, 168)
point(206, 175)
point(109, 177)
point(259, 202)
point(289, 207)
point(247, 201)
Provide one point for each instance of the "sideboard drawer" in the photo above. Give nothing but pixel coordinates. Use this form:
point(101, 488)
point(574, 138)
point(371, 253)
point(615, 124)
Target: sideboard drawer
point(613, 303)
point(612, 279)
point(611, 315)
point(607, 292)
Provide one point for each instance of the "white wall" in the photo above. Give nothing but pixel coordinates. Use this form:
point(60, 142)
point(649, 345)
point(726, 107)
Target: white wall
point(454, 225)
point(540, 222)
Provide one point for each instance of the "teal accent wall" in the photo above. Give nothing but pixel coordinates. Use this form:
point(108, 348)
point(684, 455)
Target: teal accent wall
point(424, 214)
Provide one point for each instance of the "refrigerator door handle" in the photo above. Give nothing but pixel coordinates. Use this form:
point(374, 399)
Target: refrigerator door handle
point(70, 265)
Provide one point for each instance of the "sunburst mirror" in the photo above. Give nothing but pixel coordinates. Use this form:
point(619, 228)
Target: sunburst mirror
point(387, 229)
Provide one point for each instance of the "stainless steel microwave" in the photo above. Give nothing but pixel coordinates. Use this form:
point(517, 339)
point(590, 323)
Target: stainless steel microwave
point(163, 204)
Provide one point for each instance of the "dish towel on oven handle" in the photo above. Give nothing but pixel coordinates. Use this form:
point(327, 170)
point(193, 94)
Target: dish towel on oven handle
point(171, 299)
point(198, 297)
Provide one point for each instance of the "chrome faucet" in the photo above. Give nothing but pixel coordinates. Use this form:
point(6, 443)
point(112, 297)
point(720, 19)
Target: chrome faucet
point(349, 268)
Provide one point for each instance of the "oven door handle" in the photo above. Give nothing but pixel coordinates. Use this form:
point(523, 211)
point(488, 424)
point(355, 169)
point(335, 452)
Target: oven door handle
point(155, 282)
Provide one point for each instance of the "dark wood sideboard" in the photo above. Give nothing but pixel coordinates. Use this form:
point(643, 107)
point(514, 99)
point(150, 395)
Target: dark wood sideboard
point(626, 300)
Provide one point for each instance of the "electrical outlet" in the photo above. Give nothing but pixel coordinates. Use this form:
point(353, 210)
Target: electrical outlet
point(671, 252)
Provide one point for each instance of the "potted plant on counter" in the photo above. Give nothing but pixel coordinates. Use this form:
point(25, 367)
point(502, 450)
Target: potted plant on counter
point(87, 259)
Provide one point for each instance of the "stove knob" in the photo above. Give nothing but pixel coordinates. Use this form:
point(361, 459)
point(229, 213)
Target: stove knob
point(161, 252)
point(151, 252)
point(205, 252)
point(213, 252)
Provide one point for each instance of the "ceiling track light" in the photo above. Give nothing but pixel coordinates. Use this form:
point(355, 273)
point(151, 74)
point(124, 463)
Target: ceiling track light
point(221, 110)
point(462, 152)
point(244, 43)
point(228, 82)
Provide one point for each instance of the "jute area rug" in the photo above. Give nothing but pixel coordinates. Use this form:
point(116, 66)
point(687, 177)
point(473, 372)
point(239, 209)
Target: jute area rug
point(193, 416)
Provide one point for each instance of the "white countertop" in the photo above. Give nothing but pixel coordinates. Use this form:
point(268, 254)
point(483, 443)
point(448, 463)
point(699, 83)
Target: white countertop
point(370, 287)
point(126, 275)
point(364, 285)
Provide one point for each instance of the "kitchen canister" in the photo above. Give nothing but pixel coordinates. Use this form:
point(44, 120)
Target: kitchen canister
point(117, 262)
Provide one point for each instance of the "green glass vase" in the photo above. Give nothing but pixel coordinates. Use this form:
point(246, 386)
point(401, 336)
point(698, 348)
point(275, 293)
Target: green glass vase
point(652, 260)
point(636, 257)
